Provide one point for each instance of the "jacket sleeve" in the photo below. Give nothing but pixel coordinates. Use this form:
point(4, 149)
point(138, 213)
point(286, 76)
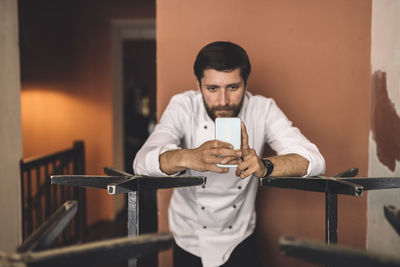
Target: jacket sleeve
point(284, 138)
point(166, 136)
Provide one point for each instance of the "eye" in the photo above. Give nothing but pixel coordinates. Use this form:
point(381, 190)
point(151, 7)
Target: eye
point(212, 88)
point(233, 87)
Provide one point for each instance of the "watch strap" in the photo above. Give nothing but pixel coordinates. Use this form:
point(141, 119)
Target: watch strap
point(269, 166)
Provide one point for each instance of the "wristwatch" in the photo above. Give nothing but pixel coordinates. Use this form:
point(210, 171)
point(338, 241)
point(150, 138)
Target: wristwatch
point(268, 165)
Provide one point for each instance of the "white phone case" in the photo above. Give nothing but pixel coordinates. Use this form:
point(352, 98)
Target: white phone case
point(228, 130)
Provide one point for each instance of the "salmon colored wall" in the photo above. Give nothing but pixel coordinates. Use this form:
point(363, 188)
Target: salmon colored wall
point(313, 58)
point(66, 81)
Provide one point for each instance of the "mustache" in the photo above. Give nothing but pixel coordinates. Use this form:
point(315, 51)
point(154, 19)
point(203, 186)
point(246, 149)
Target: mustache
point(226, 107)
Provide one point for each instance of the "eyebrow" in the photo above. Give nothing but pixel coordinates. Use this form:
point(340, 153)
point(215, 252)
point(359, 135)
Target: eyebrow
point(231, 84)
point(215, 85)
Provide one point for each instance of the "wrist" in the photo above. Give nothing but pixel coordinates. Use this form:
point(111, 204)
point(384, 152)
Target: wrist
point(262, 171)
point(185, 158)
point(172, 162)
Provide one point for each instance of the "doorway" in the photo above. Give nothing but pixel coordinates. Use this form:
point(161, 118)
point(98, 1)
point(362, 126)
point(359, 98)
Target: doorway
point(134, 106)
point(139, 70)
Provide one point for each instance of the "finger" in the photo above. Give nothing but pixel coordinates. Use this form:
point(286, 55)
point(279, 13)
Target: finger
point(244, 165)
point(248, 172)
point(248, 167)
point(213, 160)
point(232, 161)
point(220, 144)
point(248, 151)
point(220, 160)
point(223, 152)
point(215, 168)
point(245, 137)
point(238, 172)
point(249, 154)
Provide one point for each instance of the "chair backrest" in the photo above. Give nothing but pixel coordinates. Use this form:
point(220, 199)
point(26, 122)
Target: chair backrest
point(40, 199)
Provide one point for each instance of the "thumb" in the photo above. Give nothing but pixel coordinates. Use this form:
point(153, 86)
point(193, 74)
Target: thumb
point(245, 137)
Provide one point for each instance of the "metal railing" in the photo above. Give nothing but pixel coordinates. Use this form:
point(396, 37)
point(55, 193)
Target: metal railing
point(40, 199)
point(343, 183)
point(34, 251)
point(329, 253)
point(120, 182)
point(335, 255)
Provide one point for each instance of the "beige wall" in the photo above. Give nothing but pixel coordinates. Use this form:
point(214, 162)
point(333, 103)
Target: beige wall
point(10, 128)
point(384, 142)
point(313, 58)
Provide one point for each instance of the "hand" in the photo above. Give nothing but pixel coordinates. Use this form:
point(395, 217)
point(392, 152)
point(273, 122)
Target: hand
point(210, 153)
point(251, 164)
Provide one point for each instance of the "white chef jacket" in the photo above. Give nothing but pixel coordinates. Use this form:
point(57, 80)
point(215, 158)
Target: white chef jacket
point(210, 221)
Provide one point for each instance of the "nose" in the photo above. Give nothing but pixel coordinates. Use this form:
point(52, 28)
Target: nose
point(223, 98)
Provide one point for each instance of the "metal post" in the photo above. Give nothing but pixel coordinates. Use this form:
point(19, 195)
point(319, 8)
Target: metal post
point(331, 225)
point(133, 220)
point(120, 182)
point(331, 202)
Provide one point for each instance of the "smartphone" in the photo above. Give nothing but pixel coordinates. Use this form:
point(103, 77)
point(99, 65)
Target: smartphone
point(229, 130)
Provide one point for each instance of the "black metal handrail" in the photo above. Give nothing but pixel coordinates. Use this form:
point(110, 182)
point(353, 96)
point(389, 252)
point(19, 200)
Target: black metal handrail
point(392, 214)
point(34, 251)
point(45, 235)
point(334, 255)
point(124, 184)
point(40, 200)
point(342, 183)
point(91, 254)
point(120, 182)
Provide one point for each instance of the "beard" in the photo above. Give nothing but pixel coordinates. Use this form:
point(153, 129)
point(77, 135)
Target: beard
point(224, 111)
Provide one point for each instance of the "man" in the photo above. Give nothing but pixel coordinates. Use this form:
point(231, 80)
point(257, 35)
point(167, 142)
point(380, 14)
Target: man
point(213, 225)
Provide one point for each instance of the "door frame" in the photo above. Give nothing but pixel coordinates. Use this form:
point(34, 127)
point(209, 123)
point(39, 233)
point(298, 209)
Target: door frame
point(121, 30)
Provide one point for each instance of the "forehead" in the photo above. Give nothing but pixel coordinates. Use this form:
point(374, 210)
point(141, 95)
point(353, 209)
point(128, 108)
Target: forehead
point(212, 76)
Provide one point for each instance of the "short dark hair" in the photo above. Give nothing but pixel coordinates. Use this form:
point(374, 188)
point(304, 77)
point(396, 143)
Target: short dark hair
point(222, 56)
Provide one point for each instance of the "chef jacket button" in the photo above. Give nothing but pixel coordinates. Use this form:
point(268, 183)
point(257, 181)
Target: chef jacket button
point(205, 126)
point(230, 226)
point(202, 208)
point(203, 186)
point(204, 227)
point(234, 206)
point(239, 187)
